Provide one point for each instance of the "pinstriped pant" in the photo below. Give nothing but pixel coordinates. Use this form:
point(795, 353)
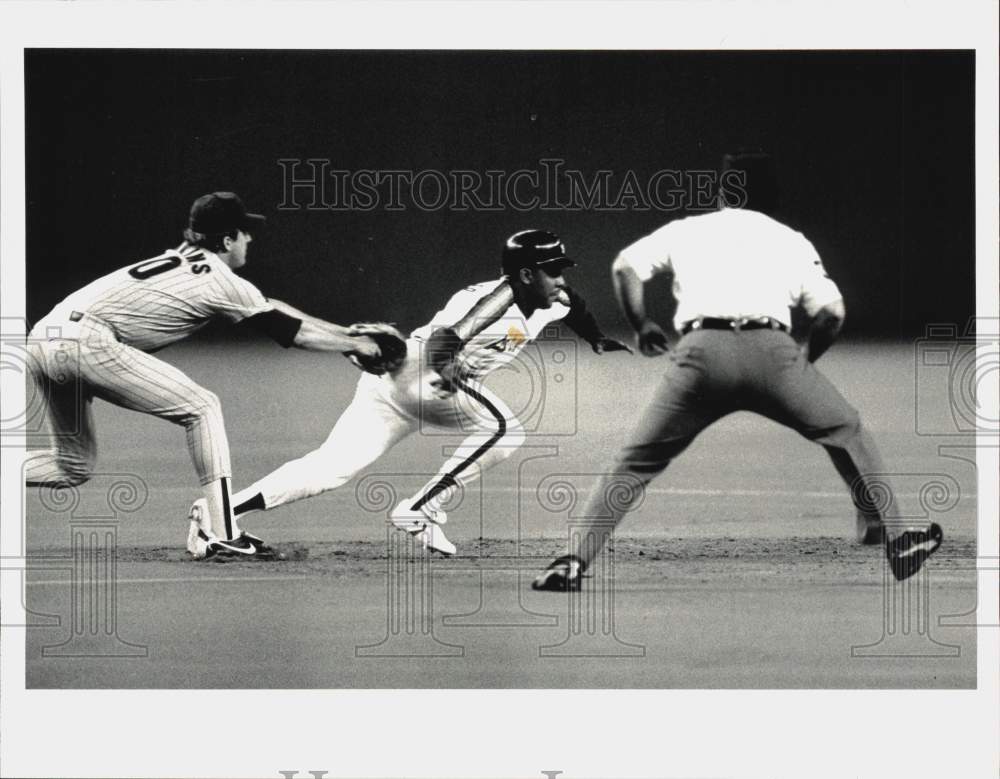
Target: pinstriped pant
point(71, 372)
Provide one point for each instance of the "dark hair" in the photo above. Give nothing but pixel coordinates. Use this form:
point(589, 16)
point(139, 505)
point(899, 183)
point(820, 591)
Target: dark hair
point(213, 243)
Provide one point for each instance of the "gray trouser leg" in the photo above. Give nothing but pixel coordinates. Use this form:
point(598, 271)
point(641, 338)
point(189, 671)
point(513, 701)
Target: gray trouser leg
point(799, 396)
point(677, 413)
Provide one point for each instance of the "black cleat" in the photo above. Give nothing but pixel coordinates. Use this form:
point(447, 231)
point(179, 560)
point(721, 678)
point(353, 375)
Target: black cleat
point(244, 545)
point(563, 574)
point(907, 551)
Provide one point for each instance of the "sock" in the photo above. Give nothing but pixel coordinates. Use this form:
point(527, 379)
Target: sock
point(256, 503)
point(435, 494)
point(220, 512)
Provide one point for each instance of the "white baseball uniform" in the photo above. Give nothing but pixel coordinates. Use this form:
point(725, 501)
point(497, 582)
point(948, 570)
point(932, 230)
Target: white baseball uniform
point(94, 344)
point(385, 409)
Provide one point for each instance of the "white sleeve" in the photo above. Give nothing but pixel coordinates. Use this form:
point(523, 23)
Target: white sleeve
point(236, 298)
point(650, 256)
point(813, 288)
point(490, 300)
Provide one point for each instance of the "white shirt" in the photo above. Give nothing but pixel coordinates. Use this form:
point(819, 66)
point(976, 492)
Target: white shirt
point(734, 263)
point(155, 302)
point(499, 342)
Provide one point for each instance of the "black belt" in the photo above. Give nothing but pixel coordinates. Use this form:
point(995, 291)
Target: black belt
point(734, 325)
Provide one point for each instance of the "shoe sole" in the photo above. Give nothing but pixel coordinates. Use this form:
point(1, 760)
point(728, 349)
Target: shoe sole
point(417, 530)
point(427, 545)
point(260, 556)
point(258, 551)
point(560, 585)
point(555, 581)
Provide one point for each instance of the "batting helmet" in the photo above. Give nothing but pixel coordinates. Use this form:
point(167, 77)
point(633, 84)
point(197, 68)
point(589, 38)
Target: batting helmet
point(534, 249)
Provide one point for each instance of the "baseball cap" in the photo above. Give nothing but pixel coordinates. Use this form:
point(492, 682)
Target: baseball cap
point(534, 249)
point(222, 212)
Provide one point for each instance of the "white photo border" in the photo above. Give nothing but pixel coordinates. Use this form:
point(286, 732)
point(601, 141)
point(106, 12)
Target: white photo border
point(512, 733)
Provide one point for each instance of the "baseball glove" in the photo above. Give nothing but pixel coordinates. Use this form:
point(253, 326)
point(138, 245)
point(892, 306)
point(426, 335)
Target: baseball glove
point(391, 346)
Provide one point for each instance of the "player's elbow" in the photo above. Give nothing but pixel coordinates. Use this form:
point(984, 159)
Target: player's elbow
point(830, 319)
point(834, 311)
point(620, 267)
point(625, 276)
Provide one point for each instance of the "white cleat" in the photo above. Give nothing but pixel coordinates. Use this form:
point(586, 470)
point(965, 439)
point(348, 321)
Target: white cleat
point(423, 524)
point(433, 538)
point(199, 533)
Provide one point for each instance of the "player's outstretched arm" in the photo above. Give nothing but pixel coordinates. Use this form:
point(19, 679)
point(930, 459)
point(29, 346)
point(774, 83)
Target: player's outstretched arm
point(582, 322)
point(319, 335)
point(285, 308)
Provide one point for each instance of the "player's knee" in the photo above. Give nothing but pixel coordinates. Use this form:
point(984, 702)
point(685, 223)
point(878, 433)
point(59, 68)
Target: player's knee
point(844, 432)
point(206, 405)
point(643, 461)
point(852, 425)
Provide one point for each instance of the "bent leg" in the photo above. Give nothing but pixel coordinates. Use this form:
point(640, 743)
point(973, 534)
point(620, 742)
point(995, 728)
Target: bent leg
point(366, 430)
point(498, 435)
point(680, 409)
point(68, 408)
point(140, 382)
point(802, 398)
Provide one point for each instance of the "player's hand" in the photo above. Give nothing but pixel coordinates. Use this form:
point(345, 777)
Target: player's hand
point(610, 345)
point(364, 346)
point(443, 384)
point(652, 339)
point(441, 388)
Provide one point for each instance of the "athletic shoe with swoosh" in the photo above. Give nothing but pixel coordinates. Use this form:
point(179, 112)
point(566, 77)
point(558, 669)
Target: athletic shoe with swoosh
point(908, 551)
point(563, 574)
point(203, 544)
point(244, 545)
point(424, 524)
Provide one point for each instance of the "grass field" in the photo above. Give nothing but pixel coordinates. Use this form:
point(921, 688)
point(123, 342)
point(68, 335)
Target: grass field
point(738, 571)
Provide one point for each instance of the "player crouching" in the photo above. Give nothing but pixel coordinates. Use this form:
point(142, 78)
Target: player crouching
point(438, 381)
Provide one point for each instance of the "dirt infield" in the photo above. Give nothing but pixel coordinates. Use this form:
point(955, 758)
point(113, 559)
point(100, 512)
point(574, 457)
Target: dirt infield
point(739, 570)
point(696, 613)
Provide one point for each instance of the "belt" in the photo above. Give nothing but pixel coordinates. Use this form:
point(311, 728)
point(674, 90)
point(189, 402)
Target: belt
point(735, 325)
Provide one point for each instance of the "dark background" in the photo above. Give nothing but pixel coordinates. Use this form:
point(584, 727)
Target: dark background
point(875, 154)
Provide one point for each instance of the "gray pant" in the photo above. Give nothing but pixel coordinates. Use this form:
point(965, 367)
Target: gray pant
point(713, 373)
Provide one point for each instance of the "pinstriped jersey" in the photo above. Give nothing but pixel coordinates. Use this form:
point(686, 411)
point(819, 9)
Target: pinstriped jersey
point(161, 300)
point(498, 329)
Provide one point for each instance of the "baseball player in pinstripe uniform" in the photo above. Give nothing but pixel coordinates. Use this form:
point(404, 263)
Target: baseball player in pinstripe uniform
point(737, 276)
point(96, 343)
point(440, 382)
